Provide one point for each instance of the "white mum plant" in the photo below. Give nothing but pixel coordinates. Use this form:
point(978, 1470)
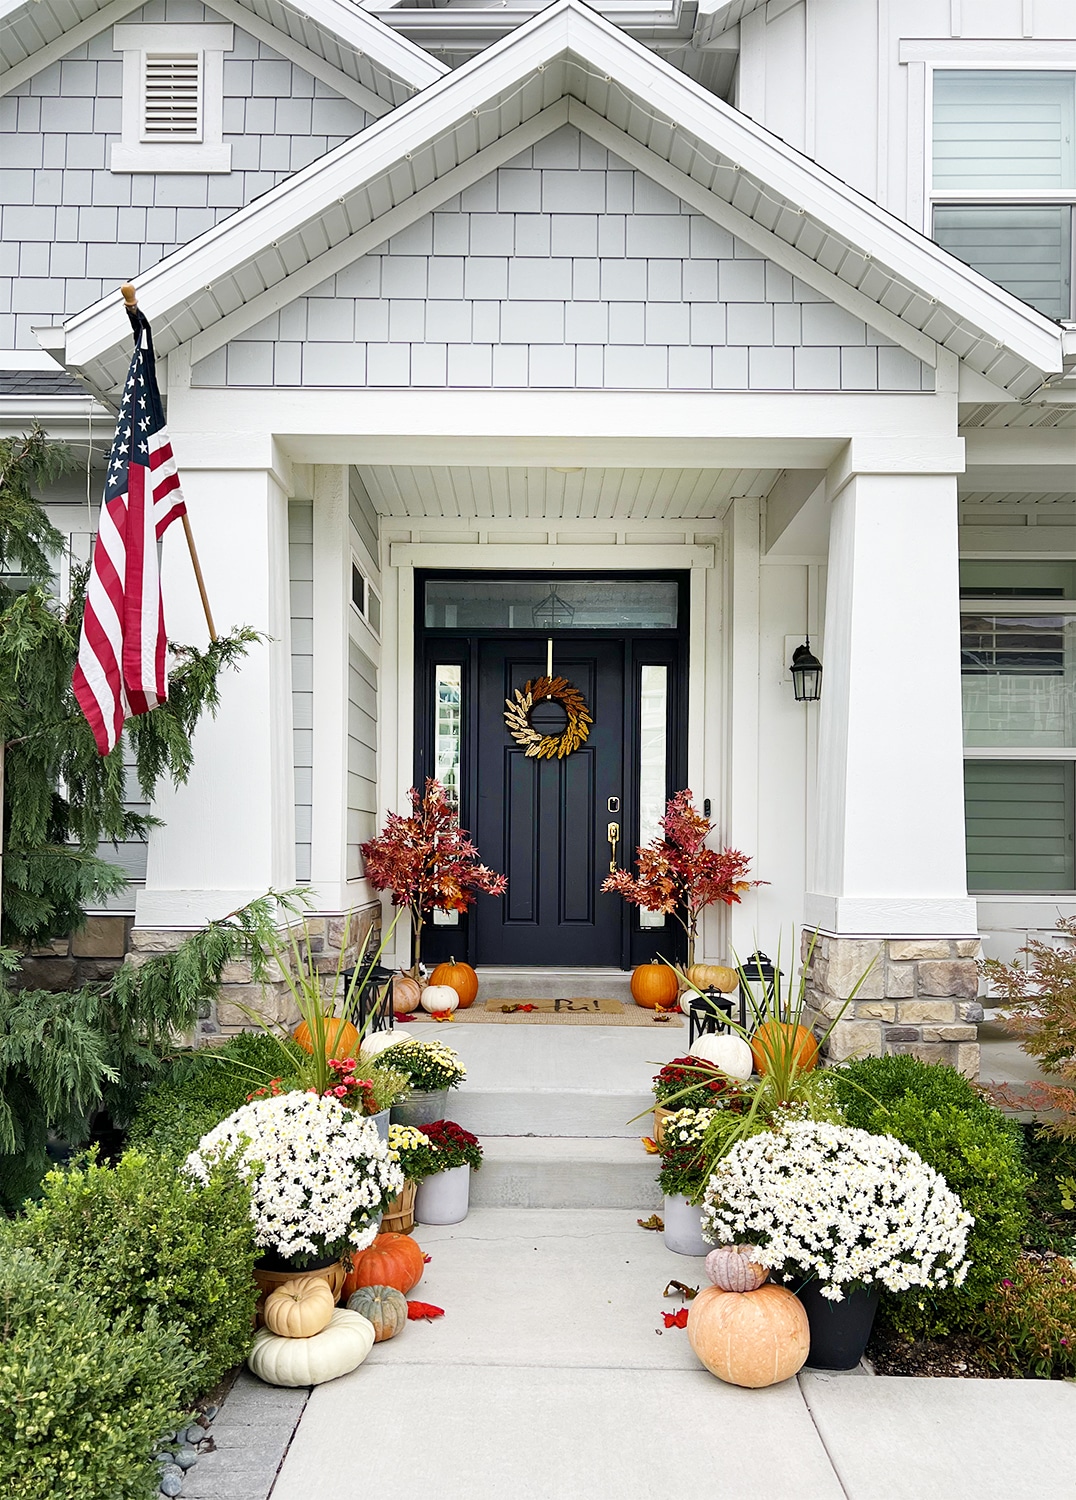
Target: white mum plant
point(319, 1174)
point(836, 1203)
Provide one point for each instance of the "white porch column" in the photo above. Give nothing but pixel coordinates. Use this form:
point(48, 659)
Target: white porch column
point(229, 833)
point(889, 881)
point(332, 569)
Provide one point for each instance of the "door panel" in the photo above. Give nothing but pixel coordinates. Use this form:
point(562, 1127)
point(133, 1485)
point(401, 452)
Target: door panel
point(545, 822)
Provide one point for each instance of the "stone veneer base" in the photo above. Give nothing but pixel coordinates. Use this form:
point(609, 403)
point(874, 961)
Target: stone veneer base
point(920, 997)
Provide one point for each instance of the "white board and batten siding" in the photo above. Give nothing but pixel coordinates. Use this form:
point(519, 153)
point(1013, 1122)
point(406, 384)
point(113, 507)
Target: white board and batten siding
point(566, 268)
point(301, 579)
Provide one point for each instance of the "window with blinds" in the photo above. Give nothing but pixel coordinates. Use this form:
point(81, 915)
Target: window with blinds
point(1004, 165)
point(172, 97)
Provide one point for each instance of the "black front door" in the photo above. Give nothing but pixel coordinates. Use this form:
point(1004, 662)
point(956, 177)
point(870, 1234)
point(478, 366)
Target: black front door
point(546, 822)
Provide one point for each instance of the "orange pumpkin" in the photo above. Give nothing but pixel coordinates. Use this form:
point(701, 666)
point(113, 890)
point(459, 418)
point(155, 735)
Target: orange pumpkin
point(405, 994)
point(392, 1260)
point(341, 1038)
point(655, 987)
point(460, 977)
point(777, 1040)
point(749, 1338)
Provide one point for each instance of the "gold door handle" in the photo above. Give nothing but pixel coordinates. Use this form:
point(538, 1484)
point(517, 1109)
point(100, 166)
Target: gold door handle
point(614, 839)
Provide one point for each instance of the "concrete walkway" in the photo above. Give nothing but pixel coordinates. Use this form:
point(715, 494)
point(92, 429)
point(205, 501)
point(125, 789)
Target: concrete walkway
point(548, 1379)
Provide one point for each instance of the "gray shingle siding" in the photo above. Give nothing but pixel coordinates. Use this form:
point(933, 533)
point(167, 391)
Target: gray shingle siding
point(566, 268)
point(301, 575)
point(72, 230)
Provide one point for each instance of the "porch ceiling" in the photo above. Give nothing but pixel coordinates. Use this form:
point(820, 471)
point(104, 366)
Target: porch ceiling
point(1013, 414)
point(587, 494)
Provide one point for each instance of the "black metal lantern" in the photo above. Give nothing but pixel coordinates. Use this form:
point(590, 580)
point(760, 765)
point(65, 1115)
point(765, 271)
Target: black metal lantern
point(709, 1011)
point(757, 972)
point(806, 672)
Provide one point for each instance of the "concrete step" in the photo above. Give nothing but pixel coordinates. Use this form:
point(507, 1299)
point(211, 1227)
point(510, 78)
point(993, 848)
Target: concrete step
point(565, 1172)
point(551, 1112)
point(554, 984)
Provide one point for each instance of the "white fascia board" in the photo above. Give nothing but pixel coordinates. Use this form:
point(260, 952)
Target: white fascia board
point(379, 42)
point(594, 47)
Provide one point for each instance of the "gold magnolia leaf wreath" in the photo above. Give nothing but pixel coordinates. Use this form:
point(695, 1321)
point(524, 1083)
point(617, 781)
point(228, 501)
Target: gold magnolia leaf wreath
point(544, 746)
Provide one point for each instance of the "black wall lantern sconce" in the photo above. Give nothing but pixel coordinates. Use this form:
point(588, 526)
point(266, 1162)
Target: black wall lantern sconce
point(806, 672)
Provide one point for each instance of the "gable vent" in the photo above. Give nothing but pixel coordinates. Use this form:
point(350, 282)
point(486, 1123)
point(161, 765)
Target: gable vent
point(172, 97)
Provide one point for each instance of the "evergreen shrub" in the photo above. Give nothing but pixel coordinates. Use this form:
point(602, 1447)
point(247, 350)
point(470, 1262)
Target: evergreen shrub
point(200, 1089)
point(153, 1244)
point(84, 1397)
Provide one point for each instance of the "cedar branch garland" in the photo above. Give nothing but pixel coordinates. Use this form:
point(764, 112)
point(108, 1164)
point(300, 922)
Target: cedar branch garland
point(545, 746)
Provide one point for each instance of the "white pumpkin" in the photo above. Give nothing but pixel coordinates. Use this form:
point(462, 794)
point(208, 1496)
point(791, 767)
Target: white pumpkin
point(725, 1050)
point(376, 1042)
point(337, 1350)
point(439, 998)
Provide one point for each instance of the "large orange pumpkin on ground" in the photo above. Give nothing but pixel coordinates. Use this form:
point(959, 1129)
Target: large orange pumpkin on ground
point(749, 1338)
point(655, 987)
point(341, 1038)
point(392, 1260)
point(460, 977)
point(774, 1041)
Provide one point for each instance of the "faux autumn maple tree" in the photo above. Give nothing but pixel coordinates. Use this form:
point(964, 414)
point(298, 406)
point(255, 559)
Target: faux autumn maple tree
point(678, 875)
point(427, 861)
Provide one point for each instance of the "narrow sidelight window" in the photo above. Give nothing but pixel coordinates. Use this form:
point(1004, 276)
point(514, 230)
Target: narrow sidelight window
point(653, 763)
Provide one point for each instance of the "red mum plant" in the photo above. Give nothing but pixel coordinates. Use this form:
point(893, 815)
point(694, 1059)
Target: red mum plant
point(678, 875)
point(428, 862)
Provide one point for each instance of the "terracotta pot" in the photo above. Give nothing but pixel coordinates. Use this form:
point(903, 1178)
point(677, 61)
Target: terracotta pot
point(399, 1217)
point(661, 1114)
point(268, 1281)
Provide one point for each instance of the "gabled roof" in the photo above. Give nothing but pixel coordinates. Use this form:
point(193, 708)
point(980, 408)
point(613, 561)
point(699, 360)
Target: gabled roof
point(569, 65)
point(34, 33)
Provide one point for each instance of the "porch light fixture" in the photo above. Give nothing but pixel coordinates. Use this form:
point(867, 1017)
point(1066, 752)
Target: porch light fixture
point(806, 672)
point(553, 613)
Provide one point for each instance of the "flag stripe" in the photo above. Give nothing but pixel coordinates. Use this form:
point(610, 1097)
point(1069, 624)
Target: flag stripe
point(122, 651)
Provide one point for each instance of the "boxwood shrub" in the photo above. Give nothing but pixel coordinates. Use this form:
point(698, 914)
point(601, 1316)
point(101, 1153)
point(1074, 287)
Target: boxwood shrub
point(84, 1397)
point(202, 1088)
point(937, 1112)
point(153, 1244)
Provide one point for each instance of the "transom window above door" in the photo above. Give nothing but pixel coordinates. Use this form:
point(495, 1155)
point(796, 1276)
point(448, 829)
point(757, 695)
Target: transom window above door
point(551, 605)
point(1004, 178)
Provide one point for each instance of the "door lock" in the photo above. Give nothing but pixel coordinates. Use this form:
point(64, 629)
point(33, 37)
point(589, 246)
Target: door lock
point(613, 804)
point(614, 839)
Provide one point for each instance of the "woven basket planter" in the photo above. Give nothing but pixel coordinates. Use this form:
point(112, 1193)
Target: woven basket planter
point(399, 1217)
point(661, 1114)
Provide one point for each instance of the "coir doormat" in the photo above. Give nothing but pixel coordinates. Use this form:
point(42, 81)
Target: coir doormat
point(569, 1011)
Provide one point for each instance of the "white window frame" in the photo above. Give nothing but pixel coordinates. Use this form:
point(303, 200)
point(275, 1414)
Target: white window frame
point(369, 592)
point(925, 58)
point(1020, 606)
point(132, 152)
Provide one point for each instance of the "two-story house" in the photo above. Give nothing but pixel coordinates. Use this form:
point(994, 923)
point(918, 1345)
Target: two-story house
point(646, 338)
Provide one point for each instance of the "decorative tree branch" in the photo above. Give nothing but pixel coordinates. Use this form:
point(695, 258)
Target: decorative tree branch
point(678, 875)
point(427, 861)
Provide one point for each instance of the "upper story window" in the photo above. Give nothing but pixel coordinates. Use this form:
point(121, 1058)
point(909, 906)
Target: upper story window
point(173, 98)
point(1004, 178)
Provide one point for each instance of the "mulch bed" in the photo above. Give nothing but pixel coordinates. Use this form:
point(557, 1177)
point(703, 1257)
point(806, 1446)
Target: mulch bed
point(960, 1356)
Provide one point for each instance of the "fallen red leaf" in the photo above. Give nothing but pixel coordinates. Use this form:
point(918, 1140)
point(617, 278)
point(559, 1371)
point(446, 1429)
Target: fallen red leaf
point(674, 1320)
point(416, 1310)
point(426, 1259)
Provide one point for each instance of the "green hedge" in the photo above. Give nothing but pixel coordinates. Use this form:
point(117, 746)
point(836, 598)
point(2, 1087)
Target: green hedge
point(84, 1398)
point(937, 1112)
point(152, 1243)
point(204, 1087)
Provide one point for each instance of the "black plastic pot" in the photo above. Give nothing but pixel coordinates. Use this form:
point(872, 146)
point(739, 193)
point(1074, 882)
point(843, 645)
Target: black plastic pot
point(839, 1330)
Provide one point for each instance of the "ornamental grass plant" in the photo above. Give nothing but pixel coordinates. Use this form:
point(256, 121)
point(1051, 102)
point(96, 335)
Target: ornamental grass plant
point(319, 1175)
point(836, 1204)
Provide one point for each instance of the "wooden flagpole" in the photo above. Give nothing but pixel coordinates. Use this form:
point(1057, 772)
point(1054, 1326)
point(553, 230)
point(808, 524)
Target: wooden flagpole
point(131, 303)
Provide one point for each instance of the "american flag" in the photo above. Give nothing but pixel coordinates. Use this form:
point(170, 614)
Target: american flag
point(121, 655)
